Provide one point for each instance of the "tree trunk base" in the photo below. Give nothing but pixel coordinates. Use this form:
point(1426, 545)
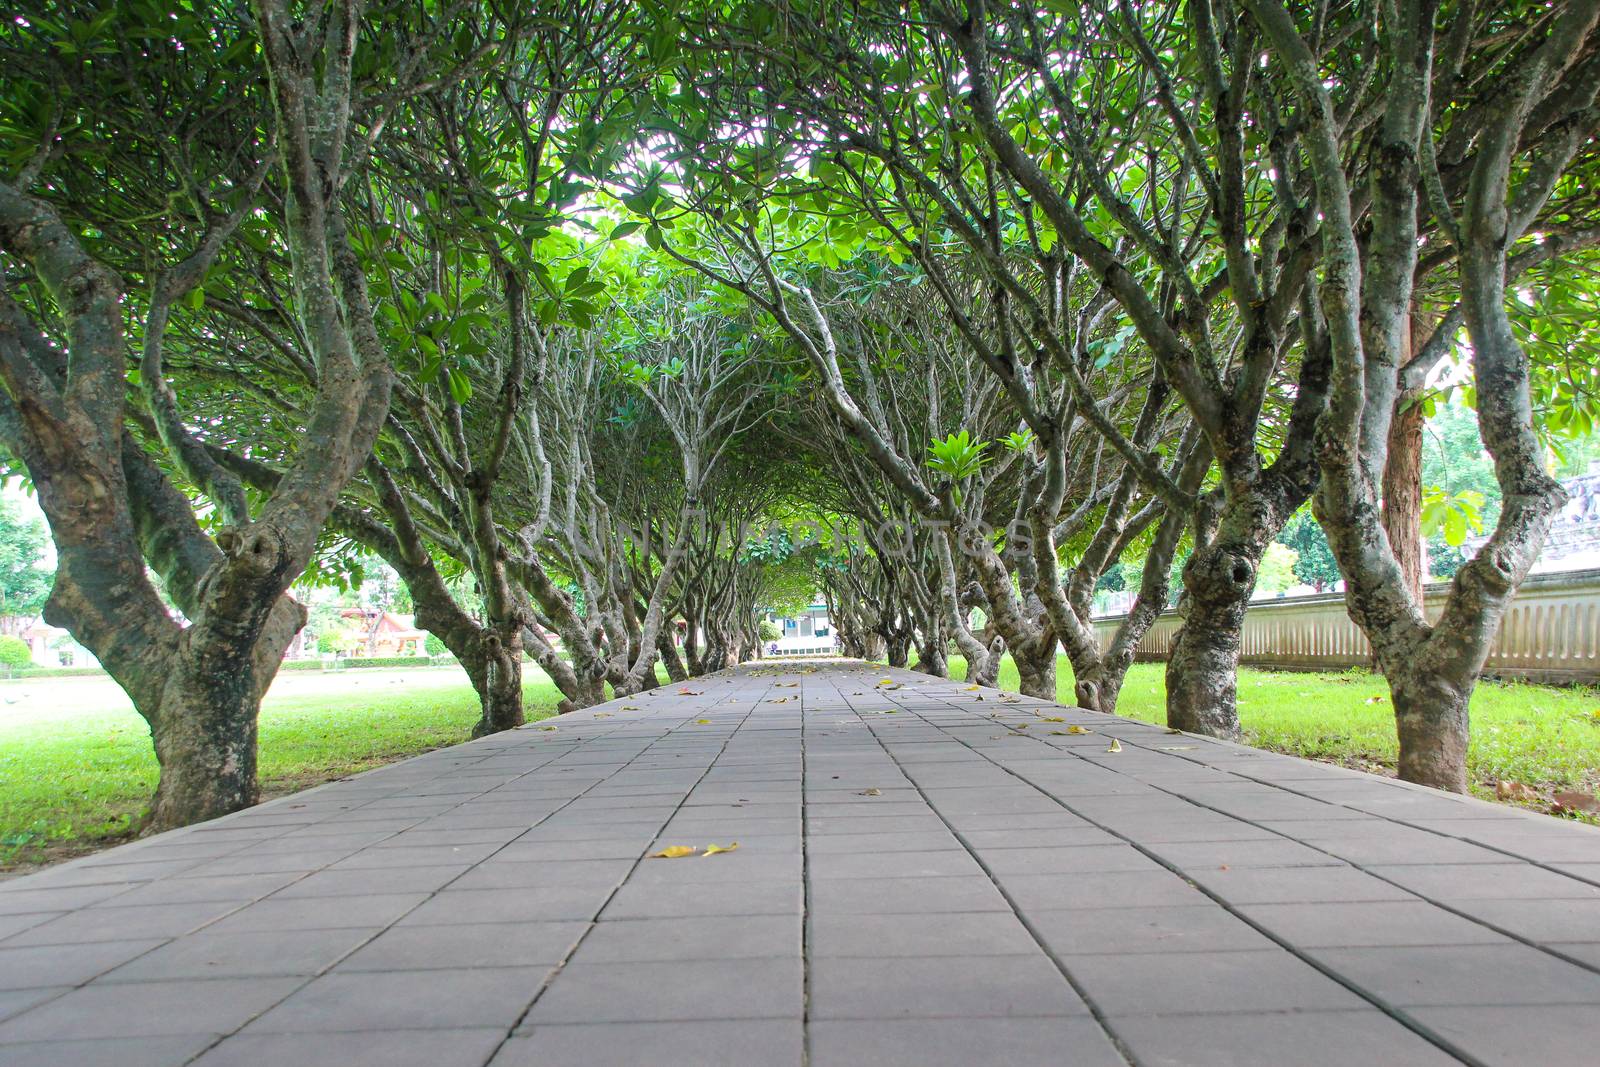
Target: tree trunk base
point(501, 692)
point(1434, 735)
point(205, 741)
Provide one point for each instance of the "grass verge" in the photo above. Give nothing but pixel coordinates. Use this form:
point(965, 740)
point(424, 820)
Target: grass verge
point(1542, 737)
point(76, 779)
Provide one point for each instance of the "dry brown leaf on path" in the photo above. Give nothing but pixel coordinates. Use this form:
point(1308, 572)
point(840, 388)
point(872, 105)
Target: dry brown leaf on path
point(1512, 790)
point(674, 852)
point(1571, 800)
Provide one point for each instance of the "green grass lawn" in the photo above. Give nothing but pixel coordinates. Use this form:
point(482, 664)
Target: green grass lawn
point(1544, 737)
point(77, 768)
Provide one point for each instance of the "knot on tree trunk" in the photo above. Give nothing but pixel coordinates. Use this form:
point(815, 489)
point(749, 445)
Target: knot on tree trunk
point(258, 548)
point(1223, 572)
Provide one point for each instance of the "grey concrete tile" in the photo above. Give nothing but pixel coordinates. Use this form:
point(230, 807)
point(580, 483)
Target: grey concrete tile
point(17, 1001)
point(846, 844)
point(526, 851)
point(1399, 846)
point(1196, 928)
point(894, 896)
point(185, 890)
point(586, 874)
point(717, 938)
point(212, 954)
point(391, 1048)
point(1585, 952)
point(940, 987)
point(946, 863)
point(1464, 974)
point(152, 921)
point(1232, 854)
point(1186, 982)
point(319, 913)
point(1061, 837)
point(1043, 892)
point(702, 1043)
point(1296, 885)
point(1482, 881)
point(149, 1009)
point(515, 944)
point(460, 856)
point(1516, 1036)
point(15, 924)
point(947, 934)
point(672, 991)
point(1369, 923)
point(1305, 1039)
point(396, 1000)
point(64, 965)
point(555, 903)
point(19, 897)
point(172, 1051)
point(352, 883)
point(780, 897)
point(1005, 863)
point(1017, 1042)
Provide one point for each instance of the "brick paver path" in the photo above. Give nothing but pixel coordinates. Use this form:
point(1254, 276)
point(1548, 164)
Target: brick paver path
point(925, 875)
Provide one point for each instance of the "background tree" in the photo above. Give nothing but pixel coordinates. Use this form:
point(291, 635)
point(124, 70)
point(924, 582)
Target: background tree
point(24, 581)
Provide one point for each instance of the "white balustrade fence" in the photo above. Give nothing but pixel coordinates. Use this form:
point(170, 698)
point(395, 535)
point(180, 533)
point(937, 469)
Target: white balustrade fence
point(1550, 634)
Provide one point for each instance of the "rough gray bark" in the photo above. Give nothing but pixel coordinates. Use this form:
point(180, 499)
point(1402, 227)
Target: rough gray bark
point(1371, 236)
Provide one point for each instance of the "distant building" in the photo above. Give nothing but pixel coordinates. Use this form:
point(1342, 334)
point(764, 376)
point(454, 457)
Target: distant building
point(372, 633)
point(51, 646)
point(811, 631)
point(1574, 541)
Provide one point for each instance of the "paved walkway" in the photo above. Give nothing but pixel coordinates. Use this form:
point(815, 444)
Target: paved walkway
point(925, 875)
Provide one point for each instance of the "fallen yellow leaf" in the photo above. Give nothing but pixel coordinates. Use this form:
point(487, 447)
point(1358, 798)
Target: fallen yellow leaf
point(970, 688)
point(1116, 746)
point(702, 722)
point(1051, 718)
point(1079, 730)
point(672, 852)
point(547, 727)
point(872, 792)
point(886, 681)
point(712, 850)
